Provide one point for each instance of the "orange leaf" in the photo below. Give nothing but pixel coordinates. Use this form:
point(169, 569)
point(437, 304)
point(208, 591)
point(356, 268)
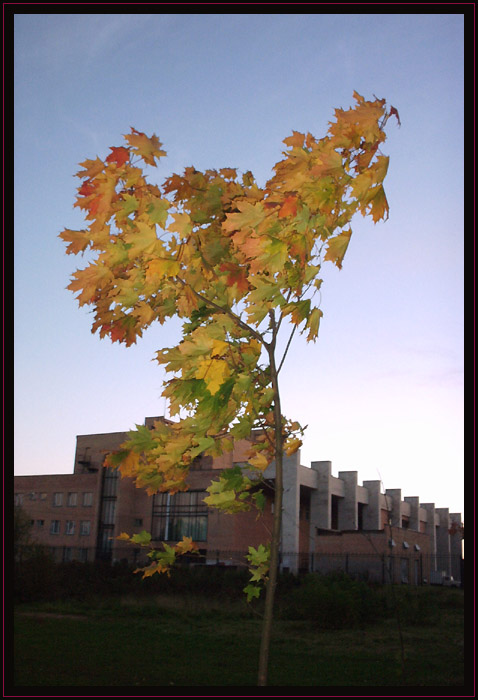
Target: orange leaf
point(296, 140)
point(289, 208)
point(118, 155)
point(238, 275)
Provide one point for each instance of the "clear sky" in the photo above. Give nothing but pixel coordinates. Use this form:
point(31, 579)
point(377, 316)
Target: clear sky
point(382, 389)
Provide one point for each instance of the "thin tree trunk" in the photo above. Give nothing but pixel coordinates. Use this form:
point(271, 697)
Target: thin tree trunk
point(276, 532)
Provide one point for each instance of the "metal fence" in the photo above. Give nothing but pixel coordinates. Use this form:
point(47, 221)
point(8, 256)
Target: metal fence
point(417, 568)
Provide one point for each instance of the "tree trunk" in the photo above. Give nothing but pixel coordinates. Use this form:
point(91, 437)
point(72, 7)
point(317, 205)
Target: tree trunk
point(276, 533)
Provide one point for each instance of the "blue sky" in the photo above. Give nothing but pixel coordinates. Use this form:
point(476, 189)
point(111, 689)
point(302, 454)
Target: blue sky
point(382, 389)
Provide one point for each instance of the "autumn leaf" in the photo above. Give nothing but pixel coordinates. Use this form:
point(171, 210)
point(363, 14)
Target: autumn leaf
point(237, 275)
point(78, 240)
point(118, 155)
point(91, 168)
point(295, 141)
point(214, 372)
point(147, 148)
point(337, 247)
point(249, 216)
point(289, 207)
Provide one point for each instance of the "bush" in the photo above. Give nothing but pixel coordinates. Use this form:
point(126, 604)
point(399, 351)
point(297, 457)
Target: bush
point(332, 602)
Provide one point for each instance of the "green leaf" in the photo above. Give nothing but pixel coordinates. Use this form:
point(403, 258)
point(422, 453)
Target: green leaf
point(158, 211)
point(252, 592)
point(258, 556)
point(143, 538)
point(260, 500)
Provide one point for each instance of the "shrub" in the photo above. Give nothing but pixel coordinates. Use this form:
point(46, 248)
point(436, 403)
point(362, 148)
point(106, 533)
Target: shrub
point(332, 602)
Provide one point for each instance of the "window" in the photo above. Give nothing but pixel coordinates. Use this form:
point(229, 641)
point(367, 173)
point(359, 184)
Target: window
point(334, 515)
point(88, 498)
point(18, 499)
point(43, 496)
point(57, 499)
point(183, 514)
point(85, 527)
point(72, 497)
point(55, 527)
point(360, 512)
point(138, 522)
point(83, 554)
point(67, 553)
point(70, 527)
point(40, 523)
point(404, 570)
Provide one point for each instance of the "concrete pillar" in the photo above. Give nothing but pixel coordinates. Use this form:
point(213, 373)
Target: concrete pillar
point(394, 503)
point(456, 548)
point(443, 540)
point(371, 516)
point(348, 511)
point(291, 513)
point(414, 523)
point(320, 501)
point(431, 532)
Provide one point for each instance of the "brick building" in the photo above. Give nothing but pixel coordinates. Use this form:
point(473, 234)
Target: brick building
point(328, 522)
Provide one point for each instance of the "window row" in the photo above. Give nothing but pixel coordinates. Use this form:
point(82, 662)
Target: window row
point(72, 498)
point(70, 527)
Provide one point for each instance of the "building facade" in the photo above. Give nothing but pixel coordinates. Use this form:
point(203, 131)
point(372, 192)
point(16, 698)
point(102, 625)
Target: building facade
point(328, 523)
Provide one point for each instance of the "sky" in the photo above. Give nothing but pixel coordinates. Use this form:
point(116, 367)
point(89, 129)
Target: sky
point(381, 390)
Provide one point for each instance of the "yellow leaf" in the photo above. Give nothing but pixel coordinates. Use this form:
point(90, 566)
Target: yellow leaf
point(162, 267)
point(214, 372)
point(259, 461)
point(337, 247)
point(291, 446)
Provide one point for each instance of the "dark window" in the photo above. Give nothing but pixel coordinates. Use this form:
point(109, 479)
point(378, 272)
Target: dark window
point(180, 515)
point(334, 520)
point(360, 511)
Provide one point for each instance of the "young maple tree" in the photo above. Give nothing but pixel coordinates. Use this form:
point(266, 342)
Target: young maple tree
point(240, 264)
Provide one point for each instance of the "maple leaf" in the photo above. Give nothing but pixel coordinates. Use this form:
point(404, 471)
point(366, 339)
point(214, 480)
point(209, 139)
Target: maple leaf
point(86, 188)
point(158, 210)
point(295, 141)
point(289, 207)
point(78, 240)
point(249, 216)
point(214, 372)
point(118, 155)
point(147, 148)
point(337, 247)
point(186, 545)
point(237, 275)
point(91, 168)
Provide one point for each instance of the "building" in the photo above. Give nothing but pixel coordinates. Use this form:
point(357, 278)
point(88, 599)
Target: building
point(328, 522)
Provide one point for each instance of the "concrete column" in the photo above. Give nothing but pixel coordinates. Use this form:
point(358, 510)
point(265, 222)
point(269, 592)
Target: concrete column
point(348, 511)
point(320, 501)
point(394, 503)
point(291, 513)
point(443, 540)
point(371, 517)
point(456, 548)
point(431, 532)
point(414, 523)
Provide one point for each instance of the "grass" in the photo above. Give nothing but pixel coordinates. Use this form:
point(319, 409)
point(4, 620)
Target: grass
point(185, 641)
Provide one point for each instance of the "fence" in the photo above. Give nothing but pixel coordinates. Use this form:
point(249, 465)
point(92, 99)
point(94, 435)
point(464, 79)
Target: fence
point(416, 568)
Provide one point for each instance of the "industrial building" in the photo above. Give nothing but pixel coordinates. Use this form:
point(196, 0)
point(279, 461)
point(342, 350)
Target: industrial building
point(329, 522)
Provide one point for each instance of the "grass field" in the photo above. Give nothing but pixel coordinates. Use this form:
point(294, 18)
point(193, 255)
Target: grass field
point(184, 641)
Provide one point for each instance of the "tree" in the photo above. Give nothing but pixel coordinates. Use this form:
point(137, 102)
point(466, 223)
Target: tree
point(240, 264)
